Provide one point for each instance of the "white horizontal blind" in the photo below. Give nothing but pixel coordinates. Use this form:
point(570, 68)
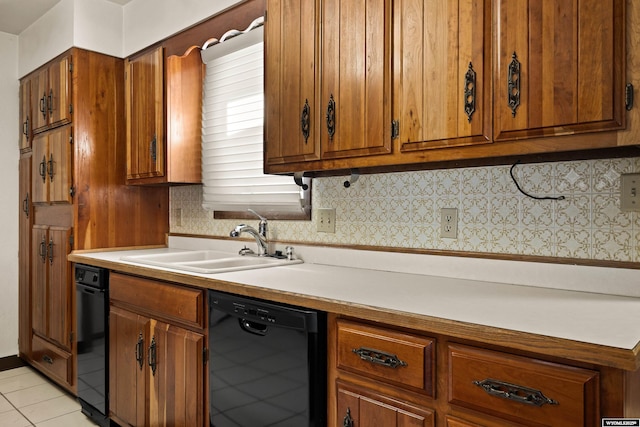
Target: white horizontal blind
point(232, 132)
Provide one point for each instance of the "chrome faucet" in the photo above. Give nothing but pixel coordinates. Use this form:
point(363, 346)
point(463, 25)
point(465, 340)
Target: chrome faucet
point(261, 235)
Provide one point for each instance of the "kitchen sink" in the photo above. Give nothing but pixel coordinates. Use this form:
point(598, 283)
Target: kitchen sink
point(208, 262)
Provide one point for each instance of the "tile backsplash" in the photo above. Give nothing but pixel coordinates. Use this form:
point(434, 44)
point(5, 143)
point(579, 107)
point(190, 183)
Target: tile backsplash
point(403, 210)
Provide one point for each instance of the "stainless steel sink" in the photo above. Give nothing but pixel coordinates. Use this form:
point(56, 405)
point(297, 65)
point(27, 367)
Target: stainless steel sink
point(208, 262)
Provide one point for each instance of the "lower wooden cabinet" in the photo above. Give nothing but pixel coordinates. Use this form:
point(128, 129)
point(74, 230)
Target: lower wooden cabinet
point(381, 375)
point(157, 367)
point(360, 407)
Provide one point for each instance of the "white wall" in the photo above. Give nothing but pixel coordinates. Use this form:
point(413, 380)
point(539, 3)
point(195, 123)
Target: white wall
point(149, 21)
point(89, 24)
point(9, 203)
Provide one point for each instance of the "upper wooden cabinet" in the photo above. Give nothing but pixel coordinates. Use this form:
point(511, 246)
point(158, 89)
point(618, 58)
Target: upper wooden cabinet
point(51, 94)
point(559, 67)
point(159, 150)
point(355, 78)
point(52, 157)
point(411, 82)
point(328, 81)
point(26, 116)
point(291, 113)
point(442, 73)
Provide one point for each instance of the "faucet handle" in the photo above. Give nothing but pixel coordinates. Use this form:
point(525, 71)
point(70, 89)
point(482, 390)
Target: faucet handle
point(262, 219)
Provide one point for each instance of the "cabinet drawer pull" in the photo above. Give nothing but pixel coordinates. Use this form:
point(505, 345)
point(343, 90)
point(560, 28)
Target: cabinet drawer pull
point(50, 251)
point(331, 117)
point(43, 105)
point(305, 120)
point(25, 205)
point(50, 171)
point(470, 92)
point(139, 351)
point(347, 420)
point(42, 252)
point(153, 149)
point(379, 357)
point(25, 128)
point(513, 84)
point(47, 359)
point(516, 393)
point(42, 170)
point(152, 357)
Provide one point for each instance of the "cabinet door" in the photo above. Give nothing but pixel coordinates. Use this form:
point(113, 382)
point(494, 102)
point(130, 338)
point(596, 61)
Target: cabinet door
point(442, 95)
point(177, 376)
point(60, 287)
point(40, 272)
point(59, 165)
point(128, 341)
point(360, 407)
point(59, 95)
point(144, 102)
point(25, 115)
point(39, 181)
point(24, 257)
point(559, 67)
point(39, 94)
point(356, 71)
point(292, 115)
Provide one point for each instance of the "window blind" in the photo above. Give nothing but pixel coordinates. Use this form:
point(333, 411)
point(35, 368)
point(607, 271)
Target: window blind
point(232, 132)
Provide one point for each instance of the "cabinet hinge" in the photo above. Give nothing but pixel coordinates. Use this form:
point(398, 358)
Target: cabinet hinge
point(628, 96)
point(395, 129)
point(70, 67)
point(71, 336)
point(70, 108)
point(205, 355)
point(71, 241)
point(72, 191)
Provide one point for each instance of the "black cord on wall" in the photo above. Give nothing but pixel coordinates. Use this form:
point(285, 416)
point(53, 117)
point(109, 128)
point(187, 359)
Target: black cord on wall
point(527, 194)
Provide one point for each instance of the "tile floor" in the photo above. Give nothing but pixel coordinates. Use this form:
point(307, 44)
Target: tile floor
point(29, 399)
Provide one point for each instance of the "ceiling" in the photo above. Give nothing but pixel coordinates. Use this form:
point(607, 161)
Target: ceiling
point(16, 15)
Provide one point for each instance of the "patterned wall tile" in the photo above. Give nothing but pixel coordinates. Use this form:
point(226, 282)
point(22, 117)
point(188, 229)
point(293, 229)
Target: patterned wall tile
point(403, 210)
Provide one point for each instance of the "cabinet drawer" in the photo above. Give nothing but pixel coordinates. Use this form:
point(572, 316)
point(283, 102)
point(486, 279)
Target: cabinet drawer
point(52, 359)
point(159, 299)
point(524, 390)
point(387, 355)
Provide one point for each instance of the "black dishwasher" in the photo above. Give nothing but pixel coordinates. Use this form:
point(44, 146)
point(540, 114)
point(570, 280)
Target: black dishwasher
point(92, 308)
point(267, 363)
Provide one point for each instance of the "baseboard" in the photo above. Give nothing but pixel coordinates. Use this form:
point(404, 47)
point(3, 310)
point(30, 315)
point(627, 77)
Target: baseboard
point(11, 362)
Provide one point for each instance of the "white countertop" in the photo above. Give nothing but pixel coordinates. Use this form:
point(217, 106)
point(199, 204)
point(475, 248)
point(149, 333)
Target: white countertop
point(538, 307)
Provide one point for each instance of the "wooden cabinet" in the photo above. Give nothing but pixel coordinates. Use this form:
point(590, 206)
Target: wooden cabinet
point(559, 67)
point(442, 73)
point(52, 157)
point(51, 94)
point(26, 116)
point(159, 150)
point(51, 303)
point(75, 193)
point(389, 375)
point(292, 113)
point(156, 355)
point(408, 83)
point(25, 222)
point(521, 390)
point(374, 371)
point(361, 407)
point(328, 81)
point(51, 287)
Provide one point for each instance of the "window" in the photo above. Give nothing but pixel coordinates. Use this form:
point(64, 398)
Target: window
point(232, 132)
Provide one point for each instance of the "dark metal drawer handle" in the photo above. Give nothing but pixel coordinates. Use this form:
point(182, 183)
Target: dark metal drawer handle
point(331, 117)
point(152, 356)
point(513, 84)
point(139, 351)
point(516, 393)
point(470, 92)
point(47, 359)
point(347, 421)
point(379, 357)
point(305, 121)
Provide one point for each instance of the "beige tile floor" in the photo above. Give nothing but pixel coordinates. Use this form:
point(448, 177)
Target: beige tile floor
point(29, 399)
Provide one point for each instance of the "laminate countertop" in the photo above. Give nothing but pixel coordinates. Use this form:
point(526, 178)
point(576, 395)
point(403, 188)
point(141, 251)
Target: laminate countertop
point(595, 320)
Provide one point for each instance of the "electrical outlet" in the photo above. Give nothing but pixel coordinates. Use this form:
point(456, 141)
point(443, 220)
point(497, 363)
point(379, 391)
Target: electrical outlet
point(449, 223)
point(326, 221)
point(630, 192)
